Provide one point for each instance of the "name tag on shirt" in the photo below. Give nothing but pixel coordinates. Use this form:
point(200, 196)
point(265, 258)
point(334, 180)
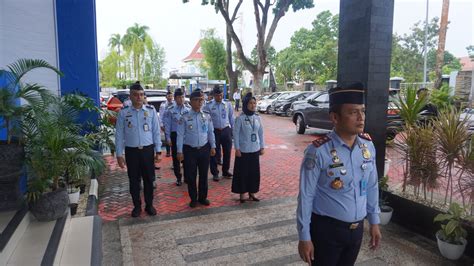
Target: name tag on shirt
point(223, 115)
point(363, 187)
point(253, 137)
point(146, 127)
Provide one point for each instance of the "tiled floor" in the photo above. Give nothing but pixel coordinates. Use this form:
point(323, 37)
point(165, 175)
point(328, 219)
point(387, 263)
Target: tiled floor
point(279, 176)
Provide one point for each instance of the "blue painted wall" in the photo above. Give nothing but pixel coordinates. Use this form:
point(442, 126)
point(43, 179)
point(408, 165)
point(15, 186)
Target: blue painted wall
point(4, 77)
point(77, 49)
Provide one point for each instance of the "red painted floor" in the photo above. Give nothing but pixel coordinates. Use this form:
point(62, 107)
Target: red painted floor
point(279, 176)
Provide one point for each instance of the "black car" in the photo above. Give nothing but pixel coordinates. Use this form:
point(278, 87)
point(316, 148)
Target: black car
point(282, 106)
point(314, 112)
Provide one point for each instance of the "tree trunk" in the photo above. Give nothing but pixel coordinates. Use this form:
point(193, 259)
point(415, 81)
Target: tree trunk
point(443, 28)
point(257, 82)
point(232, 75)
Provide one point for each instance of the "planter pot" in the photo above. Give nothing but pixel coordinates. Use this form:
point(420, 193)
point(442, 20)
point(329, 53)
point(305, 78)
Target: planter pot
point(385, 214)
point(74, 197)
point(451, 251)
point(11, 163)
point(51, 206)
point(386, 166)
point(73, 207)
point(419, 218)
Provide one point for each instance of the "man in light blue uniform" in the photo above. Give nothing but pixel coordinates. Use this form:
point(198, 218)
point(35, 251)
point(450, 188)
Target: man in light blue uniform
point(195, 144)
point(172, 118)
point(169, 102)
point(137, 136)
point(222, 114)
point(338, 185)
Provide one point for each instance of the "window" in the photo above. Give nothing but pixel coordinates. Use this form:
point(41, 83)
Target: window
point(323, 98)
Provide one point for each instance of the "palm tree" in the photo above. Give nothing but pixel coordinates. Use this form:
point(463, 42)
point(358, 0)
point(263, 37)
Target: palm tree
point(115, 41)
point(15, 90)
point(134, 42)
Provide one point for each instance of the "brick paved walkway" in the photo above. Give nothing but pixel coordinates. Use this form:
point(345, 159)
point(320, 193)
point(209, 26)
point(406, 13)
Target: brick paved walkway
point(279, 169)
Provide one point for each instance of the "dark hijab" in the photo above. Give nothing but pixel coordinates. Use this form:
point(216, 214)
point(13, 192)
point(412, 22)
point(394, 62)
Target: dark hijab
point(245, 102)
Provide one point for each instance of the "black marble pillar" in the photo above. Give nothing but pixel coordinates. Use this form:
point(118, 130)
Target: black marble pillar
point(365, 46)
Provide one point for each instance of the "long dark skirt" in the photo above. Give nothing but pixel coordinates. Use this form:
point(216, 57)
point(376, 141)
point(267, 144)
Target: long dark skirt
point(246, 173)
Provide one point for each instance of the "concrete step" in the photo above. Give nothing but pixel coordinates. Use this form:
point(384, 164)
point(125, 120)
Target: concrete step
point(81, 243)
point(35, 242)
point(13, 225)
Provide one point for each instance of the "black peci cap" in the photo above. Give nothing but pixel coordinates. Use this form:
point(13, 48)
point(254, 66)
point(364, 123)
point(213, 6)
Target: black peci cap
point(195, 94)
point(216, 90)
point(136, 86)
point(353, 94)
point(178, 92)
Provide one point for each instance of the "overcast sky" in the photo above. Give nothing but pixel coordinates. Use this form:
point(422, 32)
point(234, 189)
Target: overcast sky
point(177, 26)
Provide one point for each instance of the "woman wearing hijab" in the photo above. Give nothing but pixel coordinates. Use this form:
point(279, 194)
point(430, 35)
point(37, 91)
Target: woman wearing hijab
point(249, 145)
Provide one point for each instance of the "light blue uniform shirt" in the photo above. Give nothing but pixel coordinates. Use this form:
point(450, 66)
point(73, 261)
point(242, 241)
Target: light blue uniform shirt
point(248, 133)
point(358, 196)
point(222, 113)
point(195, 129)
point(137, 128)
point(163, 108)
point(172, 117)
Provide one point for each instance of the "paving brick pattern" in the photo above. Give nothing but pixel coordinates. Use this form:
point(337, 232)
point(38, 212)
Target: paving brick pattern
point(279, 176)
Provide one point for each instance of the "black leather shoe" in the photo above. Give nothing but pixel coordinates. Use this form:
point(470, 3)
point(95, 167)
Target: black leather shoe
point(193, 204)
point(227, 175)
point(179, 183)
point(215, 178)
point(136, 211)
point(219, 162)
point(205, 202)
point(150, 210)
point(252, 197)
point(157, 168)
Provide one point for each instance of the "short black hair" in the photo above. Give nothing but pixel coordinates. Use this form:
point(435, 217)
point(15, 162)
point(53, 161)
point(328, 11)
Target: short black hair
point(136, 86)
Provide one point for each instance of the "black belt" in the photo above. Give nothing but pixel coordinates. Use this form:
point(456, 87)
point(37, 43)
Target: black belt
point(140, 147)
point(196, 148)
point(337, 222)
point(220, 129)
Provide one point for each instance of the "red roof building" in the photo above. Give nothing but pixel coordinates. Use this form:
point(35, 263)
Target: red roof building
point(467, 63)
point(195, 54)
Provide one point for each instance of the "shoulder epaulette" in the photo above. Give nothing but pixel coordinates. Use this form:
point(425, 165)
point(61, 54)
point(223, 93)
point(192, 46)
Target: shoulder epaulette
point(150, 106)
point(169, 106)
point(320, 140)
point(365, 136)
point(125, 107)
point(206, 112)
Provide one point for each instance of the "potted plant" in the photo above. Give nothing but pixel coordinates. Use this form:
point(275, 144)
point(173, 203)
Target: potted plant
point(451, 237)
point(54, 149)
point(14, 92)
point(385, 210)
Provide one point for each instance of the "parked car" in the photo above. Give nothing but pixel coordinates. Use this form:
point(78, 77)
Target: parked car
point(115, 102)
point(283, 95)
point(263, 105)
point(314, 112)
point(469, 114)
point(282, 106)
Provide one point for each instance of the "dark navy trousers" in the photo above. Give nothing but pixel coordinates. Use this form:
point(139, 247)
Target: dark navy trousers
point(174, 154)
point(141, 164)
point(335, 243)
point(224, 139)
point(196, 160)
